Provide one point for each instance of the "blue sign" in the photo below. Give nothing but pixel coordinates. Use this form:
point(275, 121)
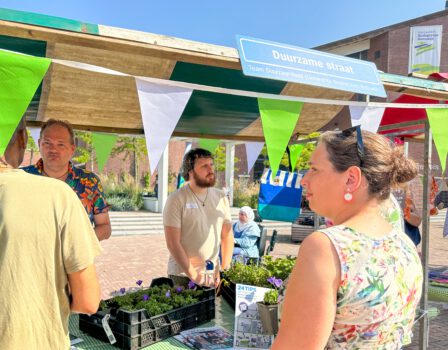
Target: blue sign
point(271, 60)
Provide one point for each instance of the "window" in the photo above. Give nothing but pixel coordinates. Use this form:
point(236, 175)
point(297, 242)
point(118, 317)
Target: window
point(361, 55)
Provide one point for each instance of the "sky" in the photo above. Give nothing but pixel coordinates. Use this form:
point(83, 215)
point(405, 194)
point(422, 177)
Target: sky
point(302, 23)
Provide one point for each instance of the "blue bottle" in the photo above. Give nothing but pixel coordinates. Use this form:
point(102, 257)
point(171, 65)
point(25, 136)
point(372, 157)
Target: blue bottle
point(209, 273)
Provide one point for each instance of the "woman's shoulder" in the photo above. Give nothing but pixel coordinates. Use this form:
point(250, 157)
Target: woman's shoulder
point(335, 230)
point(254, 226)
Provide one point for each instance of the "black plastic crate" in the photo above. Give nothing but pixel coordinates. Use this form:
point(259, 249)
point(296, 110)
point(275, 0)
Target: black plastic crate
point(163, 332)
point(183, 312)
point(132, 330)
point(135, 329)
point(206, 315)
point(209, 293)
point(228, 292)
point(132, 317)
point(118, 326)
point(123, 341)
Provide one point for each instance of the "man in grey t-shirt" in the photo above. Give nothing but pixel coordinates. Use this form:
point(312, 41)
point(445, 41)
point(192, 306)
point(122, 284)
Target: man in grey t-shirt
point(197, 222)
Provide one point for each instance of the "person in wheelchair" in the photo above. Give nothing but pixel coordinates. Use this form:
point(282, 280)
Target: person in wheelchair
point(246, 234)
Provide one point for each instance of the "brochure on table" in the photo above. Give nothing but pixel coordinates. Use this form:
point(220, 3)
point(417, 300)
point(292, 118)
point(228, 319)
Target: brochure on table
point(248, 329)
point(209, 338)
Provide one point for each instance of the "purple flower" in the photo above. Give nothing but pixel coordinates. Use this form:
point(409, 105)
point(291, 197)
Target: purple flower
point(276, 282)
point(191, 285)
point(168, 294)
point(139, 282)
point(179, 289)
point(145, 297)
point(122, 290)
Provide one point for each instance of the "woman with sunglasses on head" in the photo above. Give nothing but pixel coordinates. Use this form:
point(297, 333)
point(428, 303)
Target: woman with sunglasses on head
point(357, 284)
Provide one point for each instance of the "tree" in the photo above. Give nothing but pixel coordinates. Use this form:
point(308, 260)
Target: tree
point(220, 159)
point(133, 147)
point(31, 146)
point(304, 158)
point(84, 148)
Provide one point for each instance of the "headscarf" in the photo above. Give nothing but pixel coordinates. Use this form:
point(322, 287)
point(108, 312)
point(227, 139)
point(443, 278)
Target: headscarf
point(250, 217)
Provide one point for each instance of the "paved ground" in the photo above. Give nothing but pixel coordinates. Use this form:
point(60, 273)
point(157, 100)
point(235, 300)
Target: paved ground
point(128, 258)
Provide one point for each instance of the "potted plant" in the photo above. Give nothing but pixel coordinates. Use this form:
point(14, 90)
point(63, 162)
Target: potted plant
point(268, 308)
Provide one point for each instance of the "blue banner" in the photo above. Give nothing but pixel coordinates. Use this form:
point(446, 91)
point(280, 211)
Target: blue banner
point(280, 198)
point(271, 60)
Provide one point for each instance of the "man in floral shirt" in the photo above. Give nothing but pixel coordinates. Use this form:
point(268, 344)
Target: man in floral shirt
point(57, 146)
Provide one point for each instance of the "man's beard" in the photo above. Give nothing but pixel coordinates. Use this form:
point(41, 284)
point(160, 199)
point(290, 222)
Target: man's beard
point(208, 181)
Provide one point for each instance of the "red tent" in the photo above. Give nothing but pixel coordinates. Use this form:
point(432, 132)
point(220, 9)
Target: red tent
point(401, 115)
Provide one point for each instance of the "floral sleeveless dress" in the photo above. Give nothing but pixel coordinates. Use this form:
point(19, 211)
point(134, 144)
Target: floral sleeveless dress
point(380, 288)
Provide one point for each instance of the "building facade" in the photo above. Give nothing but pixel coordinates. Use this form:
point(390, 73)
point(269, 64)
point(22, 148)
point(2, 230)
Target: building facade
point(389, 49)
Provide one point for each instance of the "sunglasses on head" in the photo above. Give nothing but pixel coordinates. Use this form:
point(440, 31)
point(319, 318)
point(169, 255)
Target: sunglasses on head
point(359, 142)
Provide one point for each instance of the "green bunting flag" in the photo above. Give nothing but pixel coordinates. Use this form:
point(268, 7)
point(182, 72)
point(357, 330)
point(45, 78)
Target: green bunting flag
point(103, 144)
point(209, 144)
point(20, 76)
point(279, 119)
point(294, 154)
point(438, 121)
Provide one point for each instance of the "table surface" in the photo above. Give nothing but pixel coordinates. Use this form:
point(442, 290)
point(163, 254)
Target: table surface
point(225, 317)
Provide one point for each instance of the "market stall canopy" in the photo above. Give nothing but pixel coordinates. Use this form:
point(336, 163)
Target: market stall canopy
point(103, 102)
point(393, 116)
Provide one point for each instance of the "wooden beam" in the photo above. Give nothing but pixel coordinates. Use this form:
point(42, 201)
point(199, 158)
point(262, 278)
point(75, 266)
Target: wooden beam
point(112, 130)
point(51, 35)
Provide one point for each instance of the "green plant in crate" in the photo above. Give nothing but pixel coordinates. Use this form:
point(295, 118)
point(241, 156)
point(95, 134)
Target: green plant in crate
point(155, 300)
point(258, 275)
point(281, 267)
point(247, 274)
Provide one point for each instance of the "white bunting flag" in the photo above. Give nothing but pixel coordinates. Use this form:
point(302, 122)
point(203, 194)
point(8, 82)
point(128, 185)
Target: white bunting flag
point(369, 118)
point(253, 150)
point(161, 107)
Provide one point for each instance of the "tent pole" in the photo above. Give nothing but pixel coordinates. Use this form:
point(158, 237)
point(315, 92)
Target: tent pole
point(162, 178)
point(423, 335)
point(230, 172)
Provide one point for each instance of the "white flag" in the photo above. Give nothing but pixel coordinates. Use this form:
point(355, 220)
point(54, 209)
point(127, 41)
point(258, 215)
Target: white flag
point(161, 107)
point(253, 150)
point(369, 118)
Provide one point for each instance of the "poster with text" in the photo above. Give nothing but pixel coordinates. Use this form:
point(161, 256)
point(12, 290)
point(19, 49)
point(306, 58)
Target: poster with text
point(248, 329)
point(424, 49)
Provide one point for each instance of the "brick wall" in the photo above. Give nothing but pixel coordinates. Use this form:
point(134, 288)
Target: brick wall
point(378, 52)
point(399, 41)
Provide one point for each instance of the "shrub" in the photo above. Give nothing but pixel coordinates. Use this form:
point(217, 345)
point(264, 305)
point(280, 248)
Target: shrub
point(123, 193)
point(245, 193)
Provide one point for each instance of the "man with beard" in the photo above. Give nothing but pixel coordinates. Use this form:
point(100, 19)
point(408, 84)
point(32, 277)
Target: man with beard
point(197, 222)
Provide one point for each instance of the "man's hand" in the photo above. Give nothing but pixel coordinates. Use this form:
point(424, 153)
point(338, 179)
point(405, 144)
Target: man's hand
point(226, 245)
point(201, 280)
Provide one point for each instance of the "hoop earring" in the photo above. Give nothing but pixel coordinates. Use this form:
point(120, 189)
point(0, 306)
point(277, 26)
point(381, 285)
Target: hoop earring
point(348, 197)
